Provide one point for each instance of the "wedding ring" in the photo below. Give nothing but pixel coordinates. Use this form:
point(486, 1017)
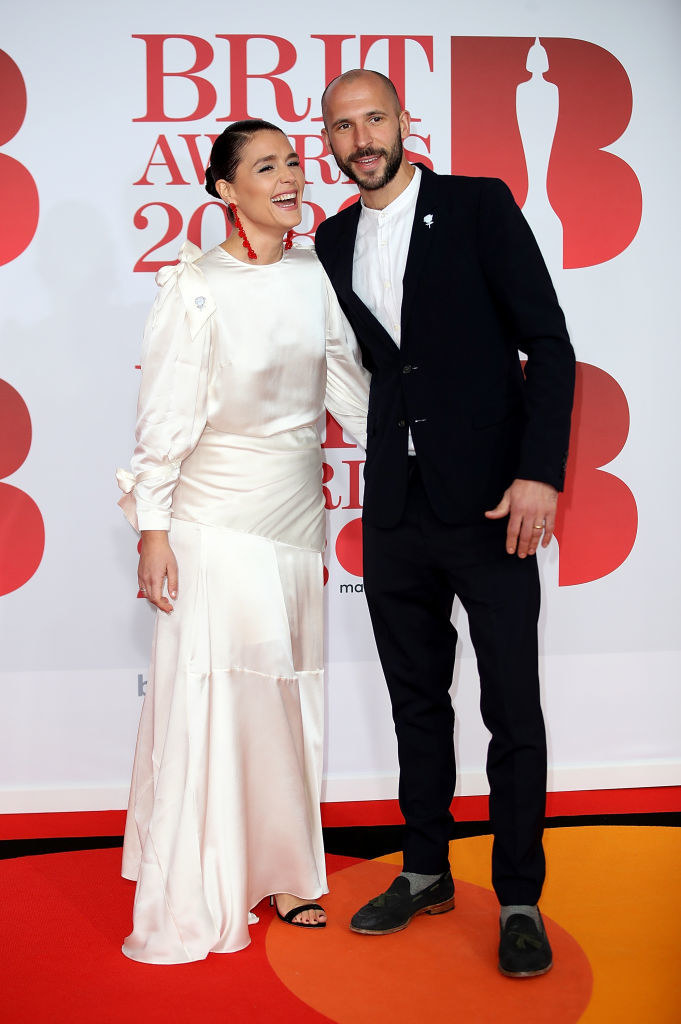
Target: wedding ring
point(538, 527)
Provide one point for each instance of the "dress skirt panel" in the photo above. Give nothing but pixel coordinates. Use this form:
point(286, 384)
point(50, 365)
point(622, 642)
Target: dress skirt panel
point(224, 805)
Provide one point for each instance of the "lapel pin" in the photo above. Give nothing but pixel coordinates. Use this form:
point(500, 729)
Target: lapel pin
point(199, 302)
point(428, 220)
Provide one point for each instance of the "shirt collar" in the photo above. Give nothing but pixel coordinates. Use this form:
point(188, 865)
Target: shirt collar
point(405, 199)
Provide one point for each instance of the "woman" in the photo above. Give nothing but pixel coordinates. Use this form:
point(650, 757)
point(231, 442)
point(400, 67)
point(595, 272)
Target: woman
point(243, 348)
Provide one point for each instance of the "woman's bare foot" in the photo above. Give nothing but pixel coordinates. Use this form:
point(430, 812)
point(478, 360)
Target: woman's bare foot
point(285, 903)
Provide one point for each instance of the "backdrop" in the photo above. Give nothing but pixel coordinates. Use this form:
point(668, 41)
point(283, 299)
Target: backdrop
point(106, 122)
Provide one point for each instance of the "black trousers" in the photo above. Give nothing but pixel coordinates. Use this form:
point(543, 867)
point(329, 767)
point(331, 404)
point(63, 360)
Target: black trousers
point(412, 572)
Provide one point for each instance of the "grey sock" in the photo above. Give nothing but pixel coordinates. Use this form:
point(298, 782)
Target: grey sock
point(521, 908)
point(417, 883)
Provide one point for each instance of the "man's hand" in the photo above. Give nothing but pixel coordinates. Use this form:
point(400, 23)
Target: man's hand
point(531, 510)
point(157, 562)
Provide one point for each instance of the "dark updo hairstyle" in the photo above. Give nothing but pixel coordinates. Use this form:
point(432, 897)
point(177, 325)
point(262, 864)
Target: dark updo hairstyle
point(225, 156)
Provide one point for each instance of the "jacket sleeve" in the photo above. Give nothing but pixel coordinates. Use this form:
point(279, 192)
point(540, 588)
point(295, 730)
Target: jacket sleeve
point(172, 404)
point(524, 295)
point(347, 382)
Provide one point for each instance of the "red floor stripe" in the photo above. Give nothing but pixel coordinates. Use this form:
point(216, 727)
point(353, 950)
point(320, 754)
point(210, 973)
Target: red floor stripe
point(475, 808)
point(387, 812)
point(60, 824)
point(615, 801)
point(368, 812)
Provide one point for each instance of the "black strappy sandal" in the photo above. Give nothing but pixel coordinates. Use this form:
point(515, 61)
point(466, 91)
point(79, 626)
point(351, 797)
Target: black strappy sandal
point(288, 918)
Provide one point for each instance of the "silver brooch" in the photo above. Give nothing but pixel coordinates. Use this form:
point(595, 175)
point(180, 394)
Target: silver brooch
point(199, 302)
point(428, 220)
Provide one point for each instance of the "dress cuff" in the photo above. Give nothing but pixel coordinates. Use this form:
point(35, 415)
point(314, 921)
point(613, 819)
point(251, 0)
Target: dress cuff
point(141, 514)
point(152, 519)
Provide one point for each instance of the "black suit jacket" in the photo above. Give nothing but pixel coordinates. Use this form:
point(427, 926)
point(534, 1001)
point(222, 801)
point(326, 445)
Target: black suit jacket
point(476, 290)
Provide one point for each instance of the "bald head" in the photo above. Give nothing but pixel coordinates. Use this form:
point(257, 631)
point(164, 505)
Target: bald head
point(356, 76)
point(365, 127)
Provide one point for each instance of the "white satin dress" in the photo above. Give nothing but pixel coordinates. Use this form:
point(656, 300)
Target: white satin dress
point(238, 362)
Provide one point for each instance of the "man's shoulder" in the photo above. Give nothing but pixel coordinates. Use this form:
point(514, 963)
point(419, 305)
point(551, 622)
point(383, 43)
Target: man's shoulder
point(328, 235)
point(473, 195)
point(337, 221)
point(465, 184)
point(456, 190)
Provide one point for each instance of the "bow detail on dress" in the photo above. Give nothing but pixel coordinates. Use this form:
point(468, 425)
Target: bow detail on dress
point(193, 286)
point(126, 480)
point(188, 254)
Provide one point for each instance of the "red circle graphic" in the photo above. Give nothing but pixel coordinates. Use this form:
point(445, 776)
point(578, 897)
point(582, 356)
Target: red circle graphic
point(349, 547)
point(19, 208)
point(22, 538)
point(15, 429)
point(13, 92)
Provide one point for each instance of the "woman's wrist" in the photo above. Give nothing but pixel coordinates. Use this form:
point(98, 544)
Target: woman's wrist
point(154, 536)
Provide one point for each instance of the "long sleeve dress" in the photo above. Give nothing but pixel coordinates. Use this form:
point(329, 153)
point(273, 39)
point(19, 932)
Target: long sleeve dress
point(238, 362)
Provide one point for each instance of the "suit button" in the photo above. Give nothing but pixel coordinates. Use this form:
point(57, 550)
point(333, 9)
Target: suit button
point(401, 423)
point(407, 369)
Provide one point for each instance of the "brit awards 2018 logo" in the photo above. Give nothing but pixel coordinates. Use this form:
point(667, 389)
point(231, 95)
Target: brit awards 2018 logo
point(540, 113)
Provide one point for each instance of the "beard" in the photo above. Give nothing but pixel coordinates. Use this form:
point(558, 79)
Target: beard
point(393, 159)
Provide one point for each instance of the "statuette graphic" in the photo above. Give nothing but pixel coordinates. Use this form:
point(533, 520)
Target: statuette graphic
point(537, 104)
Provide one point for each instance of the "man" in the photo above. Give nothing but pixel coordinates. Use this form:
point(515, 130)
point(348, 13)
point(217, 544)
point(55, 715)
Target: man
point(443, 283)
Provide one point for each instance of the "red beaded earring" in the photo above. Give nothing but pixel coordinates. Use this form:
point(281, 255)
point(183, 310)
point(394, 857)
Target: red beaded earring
point(288, 244)
point(242, 234)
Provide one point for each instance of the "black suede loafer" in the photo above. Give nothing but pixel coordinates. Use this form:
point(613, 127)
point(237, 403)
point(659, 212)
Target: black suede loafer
point(524, 950)
point(393, 909)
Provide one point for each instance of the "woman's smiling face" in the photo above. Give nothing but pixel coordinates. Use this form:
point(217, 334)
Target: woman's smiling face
point(268, 184)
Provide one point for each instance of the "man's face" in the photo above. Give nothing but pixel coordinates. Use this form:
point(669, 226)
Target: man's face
point(364, 131)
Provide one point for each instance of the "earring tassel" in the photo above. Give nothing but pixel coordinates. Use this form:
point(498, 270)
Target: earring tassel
point(252, 255)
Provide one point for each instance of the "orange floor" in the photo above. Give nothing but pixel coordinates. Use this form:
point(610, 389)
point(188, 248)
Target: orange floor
point(612, 905)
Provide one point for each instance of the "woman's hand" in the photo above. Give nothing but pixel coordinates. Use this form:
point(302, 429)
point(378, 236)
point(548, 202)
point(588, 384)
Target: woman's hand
point(157, 562)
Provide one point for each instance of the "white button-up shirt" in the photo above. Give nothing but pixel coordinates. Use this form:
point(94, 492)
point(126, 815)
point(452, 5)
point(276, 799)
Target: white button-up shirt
point(380, 258)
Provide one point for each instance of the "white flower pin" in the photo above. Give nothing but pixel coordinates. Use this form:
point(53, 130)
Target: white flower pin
point(428, 220)
point(199, 302)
